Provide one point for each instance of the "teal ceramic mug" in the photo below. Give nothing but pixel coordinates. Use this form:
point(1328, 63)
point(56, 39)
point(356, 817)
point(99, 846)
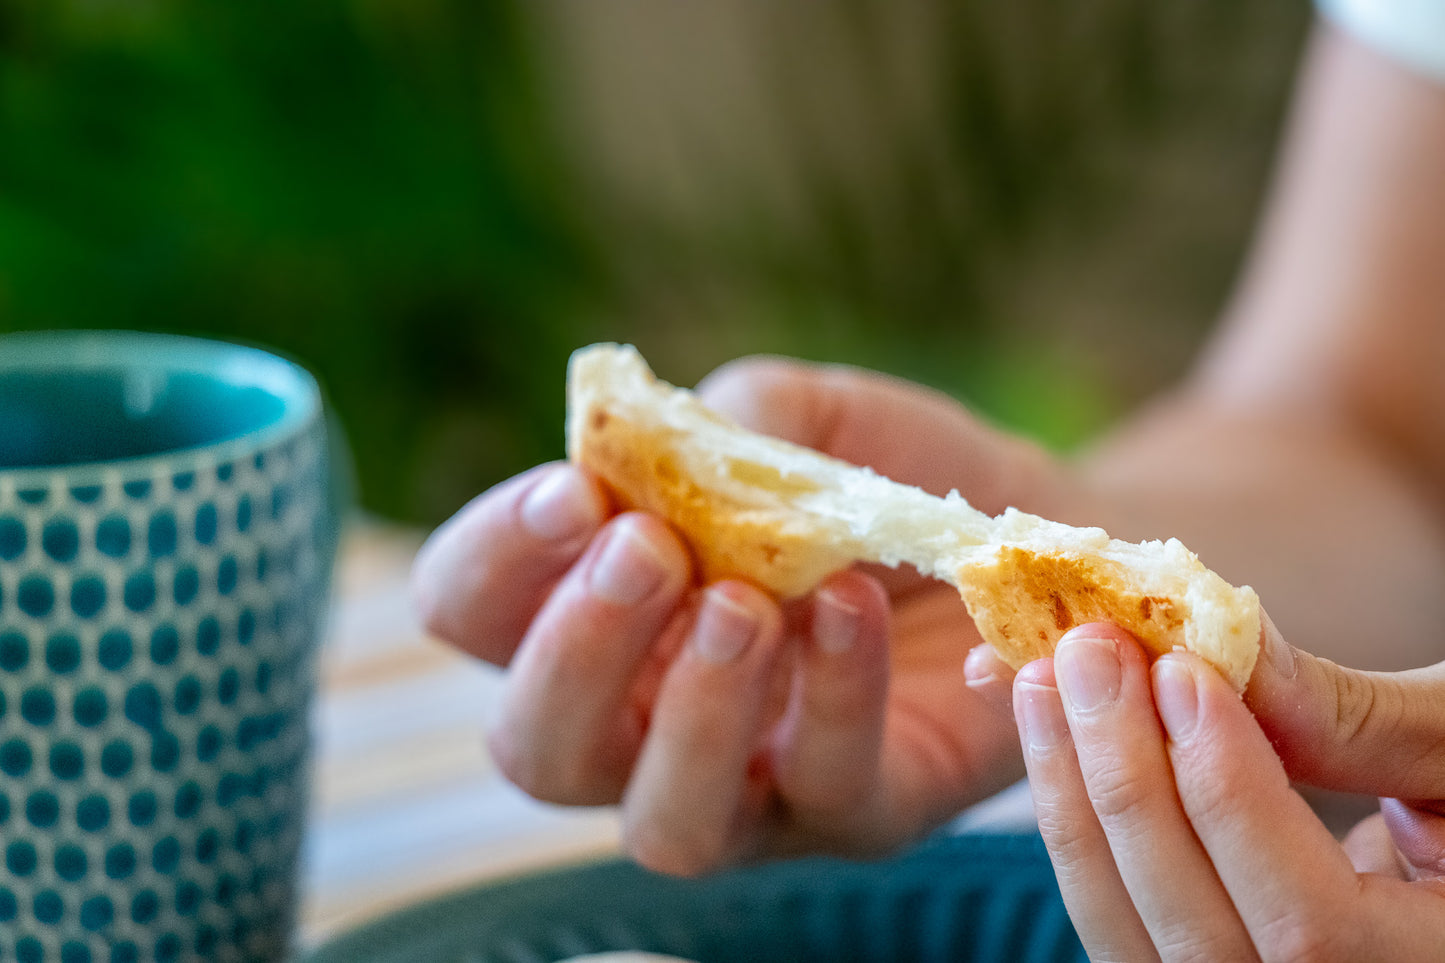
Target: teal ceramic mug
point(166, 540)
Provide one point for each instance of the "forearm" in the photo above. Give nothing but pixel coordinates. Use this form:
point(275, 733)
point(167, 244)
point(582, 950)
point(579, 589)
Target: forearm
point(1346, 552)
point(1306, 454)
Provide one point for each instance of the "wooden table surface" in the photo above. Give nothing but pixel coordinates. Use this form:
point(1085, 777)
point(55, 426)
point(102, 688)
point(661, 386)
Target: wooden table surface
point(405, 803)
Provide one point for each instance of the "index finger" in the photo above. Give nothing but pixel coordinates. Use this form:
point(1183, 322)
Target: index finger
point(1288, 878)
point(482, 577)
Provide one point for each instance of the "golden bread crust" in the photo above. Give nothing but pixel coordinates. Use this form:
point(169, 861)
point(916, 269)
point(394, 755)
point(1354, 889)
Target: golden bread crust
point(1024, 601)
point(642, 468)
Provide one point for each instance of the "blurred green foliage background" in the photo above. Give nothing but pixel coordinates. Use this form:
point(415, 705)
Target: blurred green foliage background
point(1036, 206)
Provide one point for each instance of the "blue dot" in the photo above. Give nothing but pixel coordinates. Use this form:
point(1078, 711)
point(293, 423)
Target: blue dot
point(143, 706)
point(246, 627)
point(208, 636)
point(96, 913)
point(188, 897)
point(182, 481)
point(144, 907)
point(166, 855)
point(142, 808)
point(71, 863)
point(12, 538)
point(48, 907)
point(165, 644)
point(29, 950)
point(42, 809)
point(228, 686)
point(243, 514)
point(62, 653)
point(161, 536)
point(37, 706)
point(263, 565)
point(208, 844)
point(280, 501)
point(4, 809)
point(86, 494)
point(138, 488)
point(92, 813)
point(225, 472)
point(72, 951)
point(33, 496)
point(116, 759)
point(9, 905)
point(20, 858)
point(120, 861)
point(112, 536)
point(91, 707)
point(206, 940)
point(114, 649)
point(188, 695)
point(168, 948)
point(14, 651)
point(165, 752)
point(15, 758)
point(249, 733)
point(245, 832)
point(140, 591)
point(188, 800)
point(208, 744)
point(67, 761)
point(87, 596)
point(263, 677)
point(227, 574)
point(35, 596)
point(205, 529)
point(231, 788)
point(60, 539)
point(124, 952)
point(187, 585)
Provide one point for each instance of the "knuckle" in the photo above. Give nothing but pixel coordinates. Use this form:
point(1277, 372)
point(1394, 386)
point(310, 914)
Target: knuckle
point(516, 764)
point(657, 847)
point(1310, 934)
point(543, 776)
point(1367, 706)
point(1118, 794)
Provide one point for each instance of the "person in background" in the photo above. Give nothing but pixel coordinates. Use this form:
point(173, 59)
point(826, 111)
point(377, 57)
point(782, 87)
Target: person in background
point(1305, 454)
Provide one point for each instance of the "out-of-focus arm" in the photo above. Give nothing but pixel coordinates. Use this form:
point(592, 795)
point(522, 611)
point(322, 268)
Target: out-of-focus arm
point(1306, 454)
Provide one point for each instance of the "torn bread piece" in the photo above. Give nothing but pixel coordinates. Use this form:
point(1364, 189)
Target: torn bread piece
point(784, 517)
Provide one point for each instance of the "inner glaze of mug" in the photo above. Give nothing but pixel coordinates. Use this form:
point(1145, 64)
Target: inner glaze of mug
point(72, 398)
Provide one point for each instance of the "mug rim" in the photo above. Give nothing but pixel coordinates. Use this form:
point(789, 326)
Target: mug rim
point(239, 364)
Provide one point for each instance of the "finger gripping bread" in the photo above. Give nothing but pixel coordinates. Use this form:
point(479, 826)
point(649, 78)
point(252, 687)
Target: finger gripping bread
point(785, 517)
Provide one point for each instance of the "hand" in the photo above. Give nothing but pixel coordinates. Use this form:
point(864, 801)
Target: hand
point(1170, 818)
point(727, 726)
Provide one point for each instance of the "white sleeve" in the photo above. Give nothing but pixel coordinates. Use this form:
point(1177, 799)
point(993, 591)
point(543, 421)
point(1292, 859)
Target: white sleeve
point(1410, 31)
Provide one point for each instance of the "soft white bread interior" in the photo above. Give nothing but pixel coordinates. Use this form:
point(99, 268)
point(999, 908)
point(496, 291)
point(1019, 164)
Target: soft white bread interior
point(784, 517)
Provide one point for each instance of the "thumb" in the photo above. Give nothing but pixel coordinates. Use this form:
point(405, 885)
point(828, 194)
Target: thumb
point(1377, 733)
point(906, 431)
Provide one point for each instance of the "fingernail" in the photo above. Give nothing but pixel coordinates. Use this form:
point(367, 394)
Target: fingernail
point(1277, 651)
point(561, 507)
point(1176, 697)
point(835, 623)
point(724, 628)
point(629, 568)
point(1043, 716)
point(1088, 672)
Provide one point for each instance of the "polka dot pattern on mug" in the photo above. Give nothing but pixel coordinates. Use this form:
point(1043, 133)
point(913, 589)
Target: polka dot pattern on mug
point(157, 630)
